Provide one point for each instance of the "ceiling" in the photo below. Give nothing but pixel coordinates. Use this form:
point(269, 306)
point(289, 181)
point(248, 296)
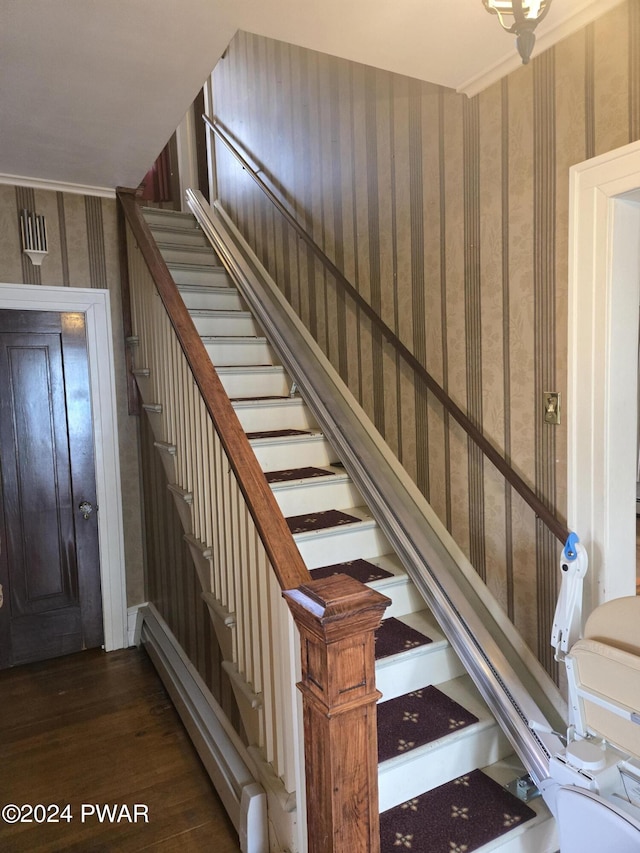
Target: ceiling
point(92, 89)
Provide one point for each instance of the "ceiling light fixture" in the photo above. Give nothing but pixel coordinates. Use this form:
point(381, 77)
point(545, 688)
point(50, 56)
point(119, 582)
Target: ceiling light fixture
point(526, 15)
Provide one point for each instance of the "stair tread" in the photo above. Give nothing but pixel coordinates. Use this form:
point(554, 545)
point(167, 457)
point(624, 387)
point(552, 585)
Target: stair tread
point(297, 402)
point(174, 224)
point(330, 520)
point(179, 266)
point(175, 215)
point(272, 432)
point(462, 691)
point(424, 623)
point(469, 717)
point(163, 231)
point(210, 339)
point(418, 718)
point(260, 399)
point(395, 637)
point(311, 436)
point(444, 816)
point(363, 570)
point(196, 250)
point(387, 567)
point(235, 313)
point(503, 772)
point(302, 476)
point(213, 289)
point(248, 369)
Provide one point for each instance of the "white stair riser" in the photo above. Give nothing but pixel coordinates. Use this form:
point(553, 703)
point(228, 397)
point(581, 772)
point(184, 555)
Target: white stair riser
point(280, 414)
point(348, 543)
point(227, 351)
point(177, 255)
point(257, 382)
point(218, 299)
point(419, 770)
point(180, 236)
point(316, 495)
point(405, 598)
point(279, 455)
point(225, 324)
point(537, 836)
point(211, 276)
point(435, 663)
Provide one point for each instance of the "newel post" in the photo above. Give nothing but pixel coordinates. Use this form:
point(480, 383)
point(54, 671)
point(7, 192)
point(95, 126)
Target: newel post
point(337, 617)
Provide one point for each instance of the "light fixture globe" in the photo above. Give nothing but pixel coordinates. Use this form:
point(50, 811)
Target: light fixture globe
point(520, 17)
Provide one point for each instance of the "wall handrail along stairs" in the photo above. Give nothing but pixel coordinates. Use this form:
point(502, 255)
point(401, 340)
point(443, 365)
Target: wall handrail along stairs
point(541, 510)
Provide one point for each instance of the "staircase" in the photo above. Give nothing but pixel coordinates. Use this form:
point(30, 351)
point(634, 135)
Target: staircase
point(434, 728)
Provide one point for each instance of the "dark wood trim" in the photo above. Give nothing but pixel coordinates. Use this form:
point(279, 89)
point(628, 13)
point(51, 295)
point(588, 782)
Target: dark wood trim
point(337, 618)
point(133, 396)
point(201, 146)
point(174, 172)
point(273, 530)
point(555, 525)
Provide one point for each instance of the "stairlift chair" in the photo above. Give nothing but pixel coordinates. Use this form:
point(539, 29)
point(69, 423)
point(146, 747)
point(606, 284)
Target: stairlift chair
point(597, 775)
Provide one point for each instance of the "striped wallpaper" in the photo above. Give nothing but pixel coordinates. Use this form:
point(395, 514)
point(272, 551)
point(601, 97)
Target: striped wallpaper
point(450, 215)
point(83, 252)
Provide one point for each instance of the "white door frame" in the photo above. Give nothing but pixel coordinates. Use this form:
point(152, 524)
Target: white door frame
point(94, 304)
point(604, 290)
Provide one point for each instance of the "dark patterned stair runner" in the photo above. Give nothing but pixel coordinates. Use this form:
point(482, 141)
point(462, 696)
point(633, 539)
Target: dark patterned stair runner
point(276, 433)
point(457, 817)
point(361, 570)
point(296, 474)
point(419, 717)
point(319, 520)
point(395, 636)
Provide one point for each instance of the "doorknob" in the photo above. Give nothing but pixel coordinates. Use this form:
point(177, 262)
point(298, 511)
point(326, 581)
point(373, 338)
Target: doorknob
point(86, 509)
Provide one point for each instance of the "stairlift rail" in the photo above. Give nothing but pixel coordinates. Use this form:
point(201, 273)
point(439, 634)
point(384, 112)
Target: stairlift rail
point(507, 675)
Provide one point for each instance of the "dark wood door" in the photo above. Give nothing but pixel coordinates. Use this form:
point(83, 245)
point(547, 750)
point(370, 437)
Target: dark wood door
point(49, 559)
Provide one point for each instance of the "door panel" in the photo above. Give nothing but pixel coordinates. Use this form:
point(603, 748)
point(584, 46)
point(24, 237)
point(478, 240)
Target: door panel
point(49, 566)
point(38, 480)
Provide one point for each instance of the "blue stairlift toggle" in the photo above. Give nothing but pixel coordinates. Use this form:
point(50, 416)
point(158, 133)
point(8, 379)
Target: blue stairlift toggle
point(570, 551)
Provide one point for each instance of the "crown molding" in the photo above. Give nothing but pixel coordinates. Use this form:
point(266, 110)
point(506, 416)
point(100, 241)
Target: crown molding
point(57, 186)
point(569, 26)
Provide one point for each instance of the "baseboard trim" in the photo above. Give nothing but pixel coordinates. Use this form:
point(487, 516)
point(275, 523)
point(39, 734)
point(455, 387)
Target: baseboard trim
point(134, 623)
point(222, 752)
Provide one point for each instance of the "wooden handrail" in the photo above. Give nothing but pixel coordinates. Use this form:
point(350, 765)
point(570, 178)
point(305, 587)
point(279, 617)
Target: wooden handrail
point(281, 549)
point(555, 525)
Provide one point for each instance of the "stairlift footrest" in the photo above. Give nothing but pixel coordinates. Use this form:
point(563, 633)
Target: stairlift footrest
point(585, 765)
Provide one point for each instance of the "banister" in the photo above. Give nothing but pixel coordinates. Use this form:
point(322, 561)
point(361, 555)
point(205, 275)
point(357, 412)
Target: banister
point(281, 549)
point(336, 616)
point(554, 524)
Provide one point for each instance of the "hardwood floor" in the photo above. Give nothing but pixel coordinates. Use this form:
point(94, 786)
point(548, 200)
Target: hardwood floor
point(99, 729)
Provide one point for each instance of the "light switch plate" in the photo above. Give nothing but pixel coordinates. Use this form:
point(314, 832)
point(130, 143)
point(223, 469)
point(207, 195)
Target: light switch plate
point(551, 407)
